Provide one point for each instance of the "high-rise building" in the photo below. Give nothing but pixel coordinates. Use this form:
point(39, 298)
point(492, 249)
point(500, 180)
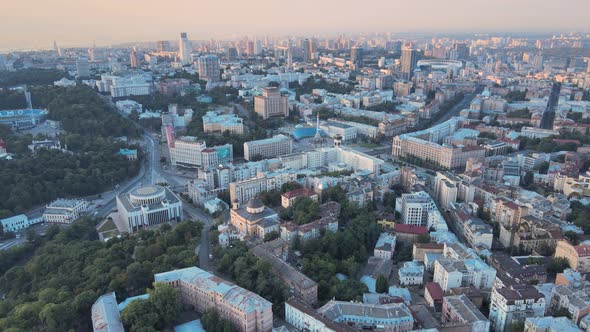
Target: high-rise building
point(271, 103)
point(134, 59)
point(209, 68)
point(356, 56)
point(511, 305)
point(184, 49)
point(231, 54)
point(56, 48)
point(461, 51)
point(83, 67)
point(308, 50)
point(409, 59)
point(163, 46)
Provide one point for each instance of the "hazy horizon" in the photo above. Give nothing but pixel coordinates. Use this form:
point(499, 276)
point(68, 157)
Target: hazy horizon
point(35, 24)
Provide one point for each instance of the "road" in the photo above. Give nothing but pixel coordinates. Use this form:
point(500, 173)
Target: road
point(455, 110)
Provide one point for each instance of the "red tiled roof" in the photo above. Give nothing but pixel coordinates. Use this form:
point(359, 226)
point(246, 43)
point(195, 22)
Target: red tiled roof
point(410, 229)
point(583, 250)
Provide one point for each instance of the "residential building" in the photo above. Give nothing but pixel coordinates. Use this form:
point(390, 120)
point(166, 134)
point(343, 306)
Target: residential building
point(421, 249)
point(572, 299)
point(209, 68)
point(446, 188)
point(204, 291)
point(474, 230)
point(271, 103)
point(409, 59)
point(411, 274)
point(385, 246)
point(299, 284)
point(453, 273)
point(304, 318)
point(520, 269)
point(389, 317)
point(278, 145)
point(65, 211)
point(550, 324)
point(433, 295)
point(513, 304)
point(415, 208)
point(578, 255)
point(459, 311)
point(288, 198)
point(328, 221)
point(148, 206)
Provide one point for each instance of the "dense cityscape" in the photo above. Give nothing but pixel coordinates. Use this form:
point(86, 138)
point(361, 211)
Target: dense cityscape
point(322, 182)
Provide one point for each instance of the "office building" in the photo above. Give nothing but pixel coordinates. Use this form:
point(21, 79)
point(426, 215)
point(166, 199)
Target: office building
point(390, 317)
point(65, 211)
point(221, 123)
point(134, 59)
point(428, 146)
point(184, 49)
point(186, 151)
point(148, 206)
point(15, 223)
point(356, 57)
point(271, 103)
point(82, 68)
point(308, 50)
point(409, 59)
point(513, 304)
point(459, 311)
point(278, 145)
point(204, 291)
point(209, 68)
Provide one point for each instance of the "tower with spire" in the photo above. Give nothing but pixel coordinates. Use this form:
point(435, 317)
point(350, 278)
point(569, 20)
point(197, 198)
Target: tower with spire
point(317, 136)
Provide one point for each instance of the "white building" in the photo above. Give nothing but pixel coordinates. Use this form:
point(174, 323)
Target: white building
point(512, 305)
point(411, 274)
point(220, 123)
point(15, 223)
point(333, 129)
point(415, 208)
point(385, 246)
point(148, 206)
point(268, 148)
point(64, 211)
point(446, 188)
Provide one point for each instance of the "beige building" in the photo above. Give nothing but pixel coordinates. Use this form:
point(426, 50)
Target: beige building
point(254, 219)
point(204, 291)
point(288, 198)
point(278, 145)
point(578, 256)
point(272, 103)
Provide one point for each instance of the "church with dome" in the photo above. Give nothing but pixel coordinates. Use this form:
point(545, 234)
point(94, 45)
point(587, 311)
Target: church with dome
point(254, 219)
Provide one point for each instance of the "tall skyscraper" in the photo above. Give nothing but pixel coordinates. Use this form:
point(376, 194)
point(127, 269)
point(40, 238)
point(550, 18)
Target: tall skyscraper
point(56, 48)
point(184, 49)
point(231, 54)
point(307, 50)
point(209, 68)
point(409, 59)
point(356, 56)
point(271, 103)
point(134, 59)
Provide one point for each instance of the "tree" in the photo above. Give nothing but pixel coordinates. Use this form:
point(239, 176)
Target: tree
point(557, 265)
point(423, 238)
point(382, 284)
point(166, 302)
point(271, 236)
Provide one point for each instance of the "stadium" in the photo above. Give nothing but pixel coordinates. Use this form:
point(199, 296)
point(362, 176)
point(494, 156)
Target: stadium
point(440, 65)
point(19, 119)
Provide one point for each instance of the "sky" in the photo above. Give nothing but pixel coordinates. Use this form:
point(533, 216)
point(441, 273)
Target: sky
point(35, 24)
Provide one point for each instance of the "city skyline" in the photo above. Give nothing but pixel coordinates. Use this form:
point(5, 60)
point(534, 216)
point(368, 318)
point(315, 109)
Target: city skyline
point(79, 24)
